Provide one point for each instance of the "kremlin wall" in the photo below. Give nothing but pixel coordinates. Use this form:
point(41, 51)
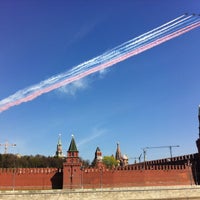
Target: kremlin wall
point(175, 171)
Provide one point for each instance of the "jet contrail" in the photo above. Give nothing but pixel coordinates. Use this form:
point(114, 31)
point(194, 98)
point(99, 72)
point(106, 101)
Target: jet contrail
point(118, 54)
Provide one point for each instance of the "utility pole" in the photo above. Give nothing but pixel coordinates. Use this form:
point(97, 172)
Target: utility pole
point(6, 145)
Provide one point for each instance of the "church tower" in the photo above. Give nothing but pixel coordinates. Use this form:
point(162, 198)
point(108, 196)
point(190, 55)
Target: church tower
point(71, 167)
point(122, 160)
point(198, 140)
point(59, 153)
point(199, 120)
point(118, 154)
point(97, 162)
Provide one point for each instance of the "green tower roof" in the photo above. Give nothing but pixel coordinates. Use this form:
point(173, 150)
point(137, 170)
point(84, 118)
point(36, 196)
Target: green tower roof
point(72, 146)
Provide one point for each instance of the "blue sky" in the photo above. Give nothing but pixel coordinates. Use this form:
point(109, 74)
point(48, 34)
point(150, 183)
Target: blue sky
point(148, 100)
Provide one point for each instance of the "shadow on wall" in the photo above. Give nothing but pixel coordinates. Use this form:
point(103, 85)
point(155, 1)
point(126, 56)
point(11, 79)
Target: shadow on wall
point(57, 180)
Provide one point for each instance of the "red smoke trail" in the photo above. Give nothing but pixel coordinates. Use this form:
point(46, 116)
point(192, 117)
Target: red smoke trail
point(101, 66)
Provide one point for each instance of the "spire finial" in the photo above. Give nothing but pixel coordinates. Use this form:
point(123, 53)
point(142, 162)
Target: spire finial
point(59, 138)
point(118, 152)
point(72, 146)
point(199, 120)
point(59, 147)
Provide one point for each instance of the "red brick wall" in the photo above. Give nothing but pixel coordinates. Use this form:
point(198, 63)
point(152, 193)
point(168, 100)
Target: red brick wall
point(50, 178)
point(30, 178)
point(72, 177)
point(94, 178)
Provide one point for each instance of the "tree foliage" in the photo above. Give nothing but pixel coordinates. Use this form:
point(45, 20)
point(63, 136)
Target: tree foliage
point(110, 161)
point(85, 163)
point(37, 161)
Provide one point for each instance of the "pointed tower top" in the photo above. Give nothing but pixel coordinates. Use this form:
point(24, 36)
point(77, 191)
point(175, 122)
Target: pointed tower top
point(199, 109)
point(59, 147)
point(118, 152)
point(199, 120)
point(198, 140)
point(118, 148)
point(59, 140)
point(98, 149)
point(72, 146)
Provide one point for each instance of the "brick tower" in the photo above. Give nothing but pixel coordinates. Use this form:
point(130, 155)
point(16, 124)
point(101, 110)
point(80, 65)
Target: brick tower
point(59, 153)
point(71, 168)
point(118, 155)
point(198, 140)
point(97, 162)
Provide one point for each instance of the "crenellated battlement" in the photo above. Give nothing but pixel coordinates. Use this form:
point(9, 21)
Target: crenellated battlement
point(30, 178)
point(30, 170)
point(153, 167)
point(135, 175)
point(137, 168)
point(178, 160)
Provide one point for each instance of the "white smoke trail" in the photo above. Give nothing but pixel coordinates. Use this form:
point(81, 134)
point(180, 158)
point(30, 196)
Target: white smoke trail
point(133, 47)
point(134, 43)
point(155, 34)
point(96, 132)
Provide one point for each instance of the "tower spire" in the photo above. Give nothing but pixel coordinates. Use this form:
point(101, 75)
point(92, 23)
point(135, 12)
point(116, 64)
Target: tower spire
point(118, 153)
point(198, 140)
point(59, 147)
point(199, 120)
point(97, 162)
point(71, 168)
point(72, 146)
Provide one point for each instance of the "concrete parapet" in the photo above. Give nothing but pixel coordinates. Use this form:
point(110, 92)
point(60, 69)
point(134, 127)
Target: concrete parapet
point(139, 193)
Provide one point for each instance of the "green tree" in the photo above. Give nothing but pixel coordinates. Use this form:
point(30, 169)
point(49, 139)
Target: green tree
point(85, 163)
point(30, 161)
point(110, 161)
